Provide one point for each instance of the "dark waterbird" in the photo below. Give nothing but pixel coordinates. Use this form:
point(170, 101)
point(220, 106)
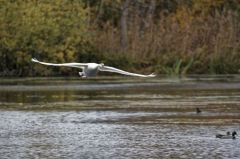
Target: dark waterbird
point(198, 110)
point(227, 136)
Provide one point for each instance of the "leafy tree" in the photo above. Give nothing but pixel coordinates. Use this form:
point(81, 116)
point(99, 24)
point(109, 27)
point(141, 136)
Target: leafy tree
point(45, 29)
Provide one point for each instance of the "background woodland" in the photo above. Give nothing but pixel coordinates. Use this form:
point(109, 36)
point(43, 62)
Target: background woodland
point(173, 37)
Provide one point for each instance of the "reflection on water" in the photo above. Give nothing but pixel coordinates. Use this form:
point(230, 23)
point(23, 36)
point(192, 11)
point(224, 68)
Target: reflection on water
point(119, 117)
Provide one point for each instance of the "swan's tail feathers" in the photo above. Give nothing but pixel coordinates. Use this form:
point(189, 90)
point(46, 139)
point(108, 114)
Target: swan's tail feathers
point(34, 60)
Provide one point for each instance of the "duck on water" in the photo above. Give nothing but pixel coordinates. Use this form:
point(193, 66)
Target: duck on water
point(227, 136)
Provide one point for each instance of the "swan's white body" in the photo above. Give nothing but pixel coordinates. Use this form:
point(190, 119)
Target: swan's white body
point(91, 69)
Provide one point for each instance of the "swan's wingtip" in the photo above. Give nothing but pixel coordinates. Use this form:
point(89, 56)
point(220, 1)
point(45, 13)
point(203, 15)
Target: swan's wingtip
point(34, 60)
point(152, 75)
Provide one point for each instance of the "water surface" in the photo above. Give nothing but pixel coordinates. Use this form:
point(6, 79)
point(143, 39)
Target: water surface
point(119, 117)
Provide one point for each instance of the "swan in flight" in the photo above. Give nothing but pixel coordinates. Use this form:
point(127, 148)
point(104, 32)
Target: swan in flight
point(91, 69)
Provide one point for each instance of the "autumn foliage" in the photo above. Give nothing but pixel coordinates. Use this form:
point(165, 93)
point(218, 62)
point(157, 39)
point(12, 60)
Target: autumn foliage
point(169, 37)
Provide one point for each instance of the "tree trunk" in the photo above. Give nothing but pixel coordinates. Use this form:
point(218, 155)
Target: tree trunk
point(124, 28)
point(146, 15)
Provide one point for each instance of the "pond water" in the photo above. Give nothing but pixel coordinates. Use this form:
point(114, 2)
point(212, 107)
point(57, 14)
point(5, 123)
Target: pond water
point(113, 117)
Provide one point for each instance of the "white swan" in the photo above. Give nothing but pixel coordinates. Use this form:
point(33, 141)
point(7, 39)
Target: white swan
point(91, 69)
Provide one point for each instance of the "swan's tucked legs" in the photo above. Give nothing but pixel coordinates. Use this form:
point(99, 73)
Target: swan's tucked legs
point(82, 74)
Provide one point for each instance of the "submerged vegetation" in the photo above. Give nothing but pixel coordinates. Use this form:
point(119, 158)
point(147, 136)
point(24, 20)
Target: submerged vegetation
point(173, 37)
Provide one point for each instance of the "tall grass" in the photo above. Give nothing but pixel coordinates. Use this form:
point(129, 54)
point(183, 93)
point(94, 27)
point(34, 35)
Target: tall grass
point(203, 44)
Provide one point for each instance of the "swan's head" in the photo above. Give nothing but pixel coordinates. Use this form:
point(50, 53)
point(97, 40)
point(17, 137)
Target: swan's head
point(101, 65)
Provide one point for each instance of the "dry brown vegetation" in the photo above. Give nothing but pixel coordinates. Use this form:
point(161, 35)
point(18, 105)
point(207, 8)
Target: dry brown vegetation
point(209, 43)
point(170, 37)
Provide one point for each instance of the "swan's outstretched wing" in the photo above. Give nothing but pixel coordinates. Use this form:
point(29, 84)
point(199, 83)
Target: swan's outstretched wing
point(77, 65)
point(112, 69)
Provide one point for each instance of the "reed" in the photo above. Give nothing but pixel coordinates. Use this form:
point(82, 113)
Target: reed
point(201, 37)
point(206, 44)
